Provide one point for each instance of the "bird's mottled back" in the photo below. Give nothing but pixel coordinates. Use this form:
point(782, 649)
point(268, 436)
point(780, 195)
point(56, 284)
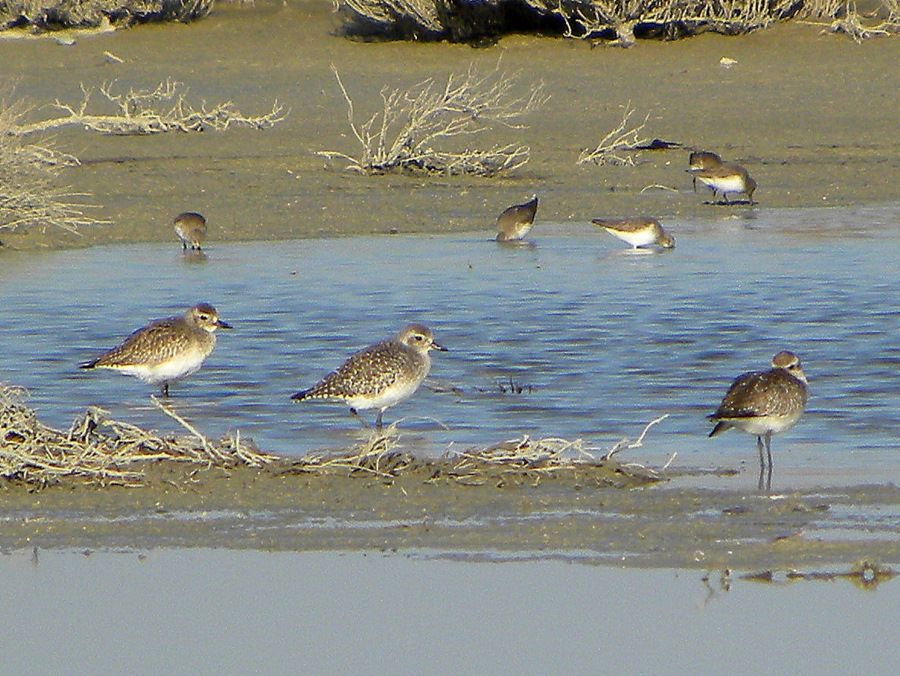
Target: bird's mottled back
point(367, 373)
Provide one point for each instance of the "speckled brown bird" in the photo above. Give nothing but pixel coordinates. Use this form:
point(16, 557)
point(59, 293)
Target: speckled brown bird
point(166, 349)
point(764, 402)
point(516, 221)
point(702, 159)
point(727, 177)
point(638, 232)
point(380, 375)
point(191, 230)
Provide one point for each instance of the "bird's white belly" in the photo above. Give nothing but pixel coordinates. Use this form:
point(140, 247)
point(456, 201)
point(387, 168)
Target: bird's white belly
point(764, 424)
point(725, 184)
point(173, 369)
point(390, 396)
point(637, 238)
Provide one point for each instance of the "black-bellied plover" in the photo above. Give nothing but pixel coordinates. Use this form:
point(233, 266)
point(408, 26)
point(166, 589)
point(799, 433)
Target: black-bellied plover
point(725, 178)
point(191, 229)
point(380, 375)
point(764, 403)
point(702, 159)
point(516, 221)
point(166, 349)
point(638, 232)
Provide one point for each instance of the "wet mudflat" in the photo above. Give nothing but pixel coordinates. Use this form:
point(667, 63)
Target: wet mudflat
point(808, 114)
point(217, 611)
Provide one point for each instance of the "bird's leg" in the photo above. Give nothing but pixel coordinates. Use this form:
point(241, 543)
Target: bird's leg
point(694, 179)
point(762, 459)
point(183, 245)
point(759, 484)
point(769, 448)
point(165, 389)
point(378, 422)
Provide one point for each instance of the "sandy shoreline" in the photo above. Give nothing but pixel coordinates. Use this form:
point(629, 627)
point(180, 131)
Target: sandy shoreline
point(808, 114)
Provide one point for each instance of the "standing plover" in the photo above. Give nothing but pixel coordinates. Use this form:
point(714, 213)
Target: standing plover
point(637, 232)
point(702, 159)
point(380, 375)
point(764, 402)
point(726, 178)
point(516, 221)
point(166, 349)
point(191, 229)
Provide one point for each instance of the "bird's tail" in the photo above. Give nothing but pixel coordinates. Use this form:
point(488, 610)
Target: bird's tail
point(89, 364)
point(302, 394)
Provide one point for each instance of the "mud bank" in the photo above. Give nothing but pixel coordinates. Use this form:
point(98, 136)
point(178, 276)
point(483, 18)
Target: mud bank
point(808, 114)
point(676, 524)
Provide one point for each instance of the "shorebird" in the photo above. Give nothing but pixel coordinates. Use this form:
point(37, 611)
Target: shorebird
point(702, 160)
point(516, 221)
point(726, 178)
point(191, 229)
point(380, 375)
point(637, 232)
point(764, 403)
point(166, 349)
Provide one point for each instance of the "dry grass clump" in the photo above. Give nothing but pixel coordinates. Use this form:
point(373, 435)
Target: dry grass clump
point(617, 20)
point(412, 129)
point(52, 14)
point(29, 194)
point(100, 451)
point(842, 16)
point(161, 109)
point(510, 463)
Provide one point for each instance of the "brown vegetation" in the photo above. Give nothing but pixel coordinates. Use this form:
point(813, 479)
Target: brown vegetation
point(619, 21)
point(412, 125)
point(29, 194)
point(100, 451)
point(55, 14)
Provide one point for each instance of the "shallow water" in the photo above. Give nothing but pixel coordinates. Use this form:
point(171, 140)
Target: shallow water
point(602, 339)
point(220, 611)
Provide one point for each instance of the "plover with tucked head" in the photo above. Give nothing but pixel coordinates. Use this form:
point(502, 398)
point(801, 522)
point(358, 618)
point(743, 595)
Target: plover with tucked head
point(764, 403)
point(726, 178)
point(166, 349)
point(638, 232)
point(380, 375)
point(191, 229)
point(516, 221)
point(702, 159)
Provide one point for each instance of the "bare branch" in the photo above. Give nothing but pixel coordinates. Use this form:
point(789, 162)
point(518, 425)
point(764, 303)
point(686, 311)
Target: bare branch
point(150, 111)
point(616, 146)
point(406, 132)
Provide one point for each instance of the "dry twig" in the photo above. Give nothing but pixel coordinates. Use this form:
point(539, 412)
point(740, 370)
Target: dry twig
point(404, 134)
point(618, 144)
point(150, 111)
point(98, 450)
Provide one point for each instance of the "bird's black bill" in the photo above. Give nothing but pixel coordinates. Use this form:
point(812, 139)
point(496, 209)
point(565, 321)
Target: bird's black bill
point(223, 325)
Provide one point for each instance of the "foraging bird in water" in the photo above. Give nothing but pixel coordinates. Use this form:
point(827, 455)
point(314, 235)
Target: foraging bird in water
point(380, 375)
point(702, 160)
point(516, 221)
point(166, 349)
point(764, 403)
point(638, 232)
point(191, 229)
point(726, 178)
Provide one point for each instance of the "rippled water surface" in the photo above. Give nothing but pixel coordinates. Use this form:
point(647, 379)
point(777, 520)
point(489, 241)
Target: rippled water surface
point(599, 339)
